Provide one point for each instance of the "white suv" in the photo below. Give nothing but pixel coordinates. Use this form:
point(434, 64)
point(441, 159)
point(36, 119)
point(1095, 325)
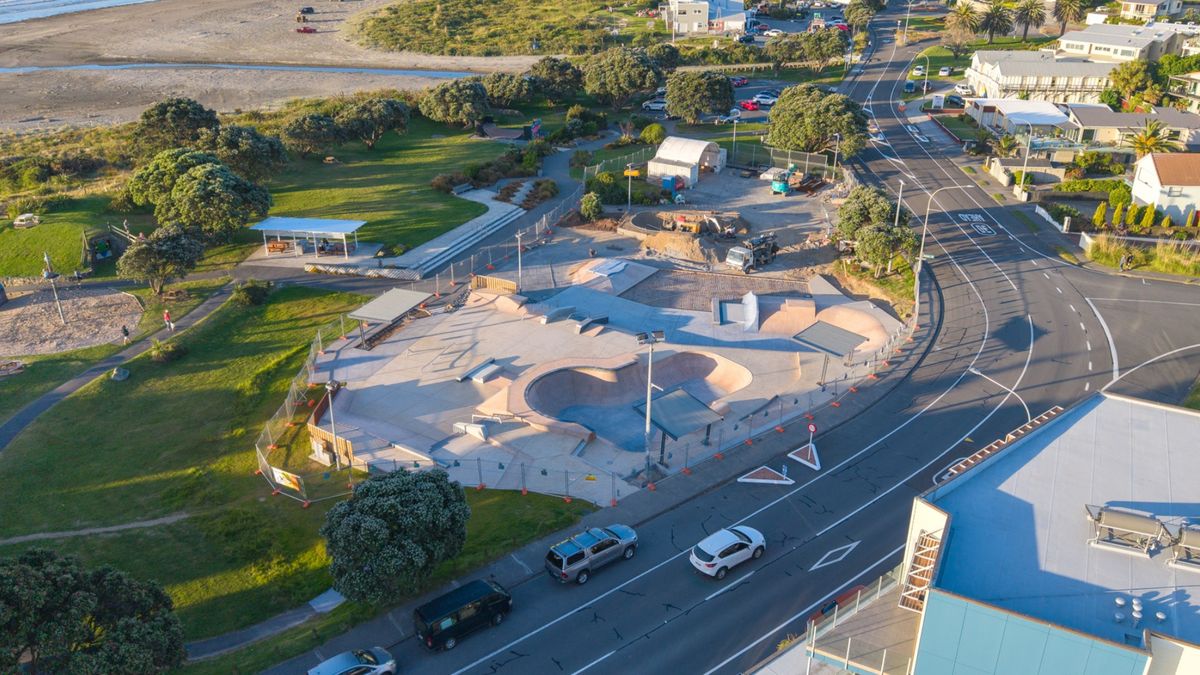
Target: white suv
point(728, 548)
point(963, 89)
point(655, 105)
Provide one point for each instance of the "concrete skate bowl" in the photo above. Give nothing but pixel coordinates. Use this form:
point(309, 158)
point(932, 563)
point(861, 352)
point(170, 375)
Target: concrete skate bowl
point(600, 396)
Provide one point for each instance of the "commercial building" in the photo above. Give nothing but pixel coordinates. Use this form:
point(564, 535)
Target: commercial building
point(1069, 546)
point(1148, 9)
point(1170, 181)
point(1039, 76)
point(1099, 125)
point(1123, 42)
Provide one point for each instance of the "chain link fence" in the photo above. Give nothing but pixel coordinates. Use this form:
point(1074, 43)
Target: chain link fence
point(618, 164)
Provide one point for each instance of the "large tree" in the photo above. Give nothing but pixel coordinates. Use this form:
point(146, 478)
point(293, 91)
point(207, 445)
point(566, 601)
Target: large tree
point(170, 252)
point(557, 79)
point(153, 182)
point(615, 75)
point(370, 119)
point(866, 206)
point(58, 617)
point(690, 94)
point(997, 18)
point(786, 48)
point(386, 540)
point(859, 14)
point(456, 102)
point(1068, 11)
point(963, 19)
point(1029, 14)
point(506, 89)
point(1130, 78)
point(254, 156)
point(1150, 138)
point(957, 42)
point(313, 133)
point(173, 123)
point(825, 47)
point(664, 56)
point(213, 200)
point(808, 119)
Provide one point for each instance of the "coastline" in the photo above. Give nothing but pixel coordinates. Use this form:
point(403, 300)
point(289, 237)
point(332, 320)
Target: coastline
point(60, 7)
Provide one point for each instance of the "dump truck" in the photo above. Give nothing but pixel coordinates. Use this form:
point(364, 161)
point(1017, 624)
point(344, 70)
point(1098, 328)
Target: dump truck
point(754, 253)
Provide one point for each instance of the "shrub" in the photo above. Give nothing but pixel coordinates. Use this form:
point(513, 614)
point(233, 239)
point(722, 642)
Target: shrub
point(252, 292)
point(545, 189)
point(1100, 217)
point(1073, 173)
point(165, 352)
point(1060, 212)
point(445, 182)
point(1118, 191)
point(1131, 215)
point(581, 158)
point(653, 134)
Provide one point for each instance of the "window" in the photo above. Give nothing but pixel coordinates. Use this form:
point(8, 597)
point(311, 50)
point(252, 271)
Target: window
point(445, 623)
point(468, 611)
point(604, 546)
point(575, 558)
point(731, 549)
point(1174, 191)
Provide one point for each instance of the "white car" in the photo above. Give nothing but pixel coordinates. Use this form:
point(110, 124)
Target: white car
point(373, 661)
point(944, 71)
point(774, 32)
point(655, 105)
point(765, 99)
point(726, 549)
point(733, 114)
point(918, 71)
point(963, 89)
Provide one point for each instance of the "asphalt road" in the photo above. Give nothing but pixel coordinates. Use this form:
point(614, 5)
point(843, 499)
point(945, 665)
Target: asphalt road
point(1018, 331)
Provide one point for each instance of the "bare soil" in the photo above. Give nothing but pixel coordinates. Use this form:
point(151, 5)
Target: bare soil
point(29, 321)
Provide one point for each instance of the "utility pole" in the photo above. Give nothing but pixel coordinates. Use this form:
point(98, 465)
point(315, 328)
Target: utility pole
point(518, 262)
point(332, 386)
point(650, 338)
point(629, 189)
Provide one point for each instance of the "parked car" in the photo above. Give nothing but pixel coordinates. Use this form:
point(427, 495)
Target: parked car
point(760, 28)
point(373, 661)
point(953, 101)
point(660, 92)
point(765, 99)
point(964, 89)
point(443, 621)
point(575, 559)
point(746, 39)
point(655, 105)
point(738, 81)
point(306, 29)
point(733, 114)
point(919, 71)
point(909, 86)
point(945, 71)
point(307, 10)
point(725, 549)
point(748, 104)
point(841, 26)
point(773, 32)
point(26, 220)
point(773, 92)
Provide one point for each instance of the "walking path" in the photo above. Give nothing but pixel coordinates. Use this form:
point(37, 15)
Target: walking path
point(135, 525)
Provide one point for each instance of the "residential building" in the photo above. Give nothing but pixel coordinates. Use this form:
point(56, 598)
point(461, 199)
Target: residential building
point(1099, 125)
point(1038, 76)
point(1123, 42)
point(1069, 546)
point(1014, 115)
point(1171, 182)
point(1148, 9)
point(700, 16)
point(1186, 88)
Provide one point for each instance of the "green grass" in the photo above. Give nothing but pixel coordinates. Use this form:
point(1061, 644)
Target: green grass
point(968, 169)
point(1066, 255)
point(61, 235)
point(463, 27)
point(1166, 257)
point(389, 186)
point(998, 196)
point(45, 372)
point(895, 288)
point(1024, 218)
point(962, 129)
point(1193, 397)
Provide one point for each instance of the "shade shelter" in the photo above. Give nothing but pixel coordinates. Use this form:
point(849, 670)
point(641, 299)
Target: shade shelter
point(387, 309)
point(315, 230)
point(677, 413)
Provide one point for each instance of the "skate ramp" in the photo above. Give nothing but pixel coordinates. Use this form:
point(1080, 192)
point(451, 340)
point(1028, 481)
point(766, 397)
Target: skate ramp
point(786, 316)
point(857, 320)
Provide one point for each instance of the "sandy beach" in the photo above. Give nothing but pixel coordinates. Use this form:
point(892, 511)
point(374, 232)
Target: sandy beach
point(185, 31)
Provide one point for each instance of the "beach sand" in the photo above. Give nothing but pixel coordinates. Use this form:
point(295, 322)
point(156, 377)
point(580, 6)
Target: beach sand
point(186, 31)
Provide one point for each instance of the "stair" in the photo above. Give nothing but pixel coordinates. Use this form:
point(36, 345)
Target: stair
point(920, 571)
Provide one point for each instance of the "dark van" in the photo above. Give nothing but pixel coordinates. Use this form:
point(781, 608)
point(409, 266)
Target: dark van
point(442, 622)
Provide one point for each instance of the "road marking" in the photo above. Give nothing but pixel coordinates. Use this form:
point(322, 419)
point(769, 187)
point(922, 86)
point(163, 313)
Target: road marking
point(594, 662)
point(1089, 344)
point(728, 586)
point(1034, 263)
point(1112, 346)
point(1148, 362)
point(1089, 365)
point(807, 611)
point(1087, 386)
point(1082, 327)
point(519, 562)
point(829, 558)
point(1045, 275)
point(1072, 308)
point(396, 623)
point(1058, 289)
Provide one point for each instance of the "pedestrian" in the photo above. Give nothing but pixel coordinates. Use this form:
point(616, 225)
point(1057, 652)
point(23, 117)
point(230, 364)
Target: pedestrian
point(167, 320)
point(125, 335)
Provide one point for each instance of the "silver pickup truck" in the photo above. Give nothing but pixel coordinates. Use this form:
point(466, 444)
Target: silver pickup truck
point(576, 558)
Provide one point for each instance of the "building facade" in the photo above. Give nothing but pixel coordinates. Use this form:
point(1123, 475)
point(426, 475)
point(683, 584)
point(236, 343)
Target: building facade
point(1097, 125)
point(715, 16)
point(1170, 182)
point(1037, 76)
point(1122, 42)
point(1148, 9)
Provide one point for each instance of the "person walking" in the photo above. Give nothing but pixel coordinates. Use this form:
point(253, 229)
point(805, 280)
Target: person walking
point(125, 335)
point(167, 320)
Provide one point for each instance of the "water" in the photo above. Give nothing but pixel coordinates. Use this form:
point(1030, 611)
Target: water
point(12, 11)
point(443, 74)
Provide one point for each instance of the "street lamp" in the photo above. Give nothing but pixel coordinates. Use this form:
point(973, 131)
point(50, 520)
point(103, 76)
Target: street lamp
point(837, 146)
point(925, 88)
point(921, 254)
point(649, 338)
point(1025, 165)
point(629, 189)
point(735, 121)
point(899, 203)
point(518, 262)
point(330, 387)
point(907, 14)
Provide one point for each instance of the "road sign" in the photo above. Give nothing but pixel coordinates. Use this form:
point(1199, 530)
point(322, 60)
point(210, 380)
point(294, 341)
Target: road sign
point(812, 428)
point(632, 173)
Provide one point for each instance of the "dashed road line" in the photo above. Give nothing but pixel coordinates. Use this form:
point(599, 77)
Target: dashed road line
point(1089, 365)
point(1073, 308)
point(1082, 327)
point(1089, 344)
point(1058, 289)
point(594, 662)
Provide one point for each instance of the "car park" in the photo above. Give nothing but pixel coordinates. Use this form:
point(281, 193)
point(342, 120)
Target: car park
point(733, 115)
point(945, 71)
point(575, 559)
point(748, 104)
point(738, 81)
point(655, 105)
point(373, 661)
point(725, 549)
point(445, 620)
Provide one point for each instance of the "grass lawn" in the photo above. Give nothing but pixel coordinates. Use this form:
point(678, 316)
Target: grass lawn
point(963, 130)
point(462, 27)
point(61, 235)
point(1024, 218)
point(389, 186)
point(895, 288)
point(1193, 397)
point(45, 372)
point(939, 56)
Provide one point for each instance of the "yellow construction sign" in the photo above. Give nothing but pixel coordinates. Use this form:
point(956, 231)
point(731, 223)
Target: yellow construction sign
point(633, 173)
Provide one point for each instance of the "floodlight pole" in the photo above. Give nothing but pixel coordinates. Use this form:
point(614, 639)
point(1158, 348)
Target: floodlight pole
point(899, 204)
point(734, 153)
point(1025, 165)
point(837, 146)
point(907, 14)
point(331, 386)
point(51, 275)
point(518, 262)
point(629, 189)
point(649, 338)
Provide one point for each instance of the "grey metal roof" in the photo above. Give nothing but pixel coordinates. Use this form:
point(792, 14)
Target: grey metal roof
point(1137, 40)
point(308, 225)
point(1018, 535)
point(828, 338)
point(1101, 116)
point(390, 306)
point(1032, 64)
point(678, 413)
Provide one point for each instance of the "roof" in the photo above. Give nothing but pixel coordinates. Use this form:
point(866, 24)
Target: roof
point(390, 306)
point(308, 225)
point(687, 150)
point(1176, 168)
point(1032, 64)
point(678, 413)
point(1022, 512)
point(443, 605)
point(1102, 116)
point(1138, 39)
point(717, 541)
point(1037, 113)
point(828, 338)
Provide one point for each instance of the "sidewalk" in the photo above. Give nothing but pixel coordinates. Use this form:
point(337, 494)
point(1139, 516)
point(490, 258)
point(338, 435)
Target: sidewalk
point(25, 416)
point(525, 563)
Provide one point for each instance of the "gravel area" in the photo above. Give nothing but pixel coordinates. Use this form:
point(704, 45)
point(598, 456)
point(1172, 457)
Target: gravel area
point(29, 321)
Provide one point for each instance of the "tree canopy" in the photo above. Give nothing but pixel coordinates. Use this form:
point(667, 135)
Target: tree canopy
point(1152, 137)
point(173, 123)
point(68, 619)
point(394, 530)
point(963, 19)
point(213, 200)
point(506, 89)
point(370, 119)
point(996, 19)
point(664, 55)
point(456, 102)
point(557, 79)
point(153, 182)
point(691, 94)
point(1068, 11)
point(615, 75)
point(170, 252)
point(868, 218)
point(808, 119)
point(313, 133)
point(1029, 14)
point(1130, 77)
point(254, 156)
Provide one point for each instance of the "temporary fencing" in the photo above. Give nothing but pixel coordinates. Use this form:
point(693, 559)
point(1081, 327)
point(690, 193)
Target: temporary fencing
point(618, 164)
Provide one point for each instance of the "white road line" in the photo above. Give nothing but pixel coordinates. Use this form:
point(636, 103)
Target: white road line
point(1058, 289)
point(521, 563)
point(1034, 263)
point(1072, 308)
point(1089, 344)
point(1112, 346)
point(594, 662)
point(396, 624)
point(1148, 362)
point(1155, 302)
point(728, 586)
point(1082, 327)
point(1045, 275)
point(1087, 386)
point(1089, 365)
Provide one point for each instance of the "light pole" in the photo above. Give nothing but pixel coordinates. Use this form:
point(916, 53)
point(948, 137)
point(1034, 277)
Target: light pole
point(907, 14)
point(735, 121)
point(837, 146)
point(518, 262)
point(921, 253)
point(650, 338)
point(330, 387)
point(899, 203)
point(925, 88)
point(629, 189)
point(1025, 165)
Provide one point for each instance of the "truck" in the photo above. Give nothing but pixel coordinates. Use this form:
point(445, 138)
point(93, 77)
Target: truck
point(754, 253)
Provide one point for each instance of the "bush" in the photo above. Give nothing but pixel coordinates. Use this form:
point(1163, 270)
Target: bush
point(252, 292)
point(1118, 191)
point(581, 158)
point(590, 207)
point(653, 134)
point(38, 205)
point(1060, 212)
point(612, 191)
point(446, 182)
point(1073, 173)
point(165, 352)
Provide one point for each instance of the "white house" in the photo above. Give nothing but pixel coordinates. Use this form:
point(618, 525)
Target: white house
point(703, 16)
point(685, 158)
point(1098, 125)
point(1123, 42)
point(1013, 115)
point(1170, 181)
point(1148, 9)
point(1040, 76)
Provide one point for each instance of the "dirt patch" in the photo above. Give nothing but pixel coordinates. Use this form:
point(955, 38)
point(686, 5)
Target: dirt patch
point(684, 247)
point(574, 220)
point(30, 324)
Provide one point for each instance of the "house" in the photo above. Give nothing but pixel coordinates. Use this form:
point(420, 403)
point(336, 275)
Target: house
point(1170, 181)
point(1014, 115)
point(1068, 546)
point(1099, 125)
point(1039, 76)
point(704, 16)
point(1148, 9)
point(684, 159)
point(1186, 87)
point(1123, 42)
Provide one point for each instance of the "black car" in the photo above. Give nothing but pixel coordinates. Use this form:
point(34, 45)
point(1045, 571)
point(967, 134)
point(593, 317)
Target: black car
point(746, 39)
point(307, 10)
point(442, 622)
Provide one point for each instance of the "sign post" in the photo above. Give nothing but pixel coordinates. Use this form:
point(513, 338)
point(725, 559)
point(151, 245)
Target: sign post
point(812, 429)
point(630, 172)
